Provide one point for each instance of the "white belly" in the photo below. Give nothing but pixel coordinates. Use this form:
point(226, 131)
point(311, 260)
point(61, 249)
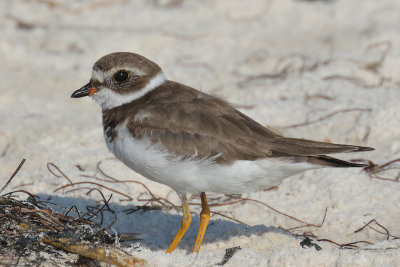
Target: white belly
point(195, 176)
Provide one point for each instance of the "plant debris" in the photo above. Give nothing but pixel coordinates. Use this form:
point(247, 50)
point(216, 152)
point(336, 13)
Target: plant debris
point(30, 227)
point(229, 252)
point(307, 242)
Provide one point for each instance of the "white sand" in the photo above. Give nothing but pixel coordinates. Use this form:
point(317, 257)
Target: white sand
point(216, 46)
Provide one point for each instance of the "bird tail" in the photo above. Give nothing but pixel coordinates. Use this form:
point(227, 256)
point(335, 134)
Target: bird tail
point(333, 162)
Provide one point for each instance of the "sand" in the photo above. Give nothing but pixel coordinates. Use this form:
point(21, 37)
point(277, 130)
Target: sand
point(322, 70)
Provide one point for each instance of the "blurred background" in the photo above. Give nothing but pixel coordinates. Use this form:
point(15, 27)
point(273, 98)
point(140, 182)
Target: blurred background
point(323, 70)
point(281, 62)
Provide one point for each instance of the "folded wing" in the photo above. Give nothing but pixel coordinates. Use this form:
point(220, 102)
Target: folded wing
point(202, 126)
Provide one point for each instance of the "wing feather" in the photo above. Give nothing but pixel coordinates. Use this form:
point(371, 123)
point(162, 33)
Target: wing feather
point(204, 126)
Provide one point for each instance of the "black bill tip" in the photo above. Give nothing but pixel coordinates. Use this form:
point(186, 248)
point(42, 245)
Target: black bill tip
point(84, 91)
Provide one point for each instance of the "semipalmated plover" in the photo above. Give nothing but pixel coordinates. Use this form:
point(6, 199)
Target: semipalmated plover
point(191, 141)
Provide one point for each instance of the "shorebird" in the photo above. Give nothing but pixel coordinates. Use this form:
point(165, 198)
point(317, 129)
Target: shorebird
point(191, 141)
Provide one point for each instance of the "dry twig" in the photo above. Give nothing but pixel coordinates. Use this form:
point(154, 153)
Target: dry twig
point(373, 170)
point(387, 233)
point(109, 255)
point(12, 176)
point(308, 122)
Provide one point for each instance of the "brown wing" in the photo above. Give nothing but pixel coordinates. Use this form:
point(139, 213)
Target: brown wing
point(188, 122)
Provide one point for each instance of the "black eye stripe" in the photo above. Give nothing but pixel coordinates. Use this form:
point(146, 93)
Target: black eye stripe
point(121, 76)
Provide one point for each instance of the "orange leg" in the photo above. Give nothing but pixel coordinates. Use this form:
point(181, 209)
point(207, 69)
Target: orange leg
point(186, 220)
point(204, 218)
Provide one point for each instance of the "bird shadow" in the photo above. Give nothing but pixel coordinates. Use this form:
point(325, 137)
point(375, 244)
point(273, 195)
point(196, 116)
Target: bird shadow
point(156, 228)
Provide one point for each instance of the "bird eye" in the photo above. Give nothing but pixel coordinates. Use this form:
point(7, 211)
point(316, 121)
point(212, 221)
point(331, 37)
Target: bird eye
point(121, 76)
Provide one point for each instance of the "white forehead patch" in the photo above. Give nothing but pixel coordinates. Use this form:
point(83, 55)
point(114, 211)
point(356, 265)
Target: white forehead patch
point(98, 75)
point(108, 99)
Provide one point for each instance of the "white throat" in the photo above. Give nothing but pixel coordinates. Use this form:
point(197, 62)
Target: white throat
point(108, 99)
